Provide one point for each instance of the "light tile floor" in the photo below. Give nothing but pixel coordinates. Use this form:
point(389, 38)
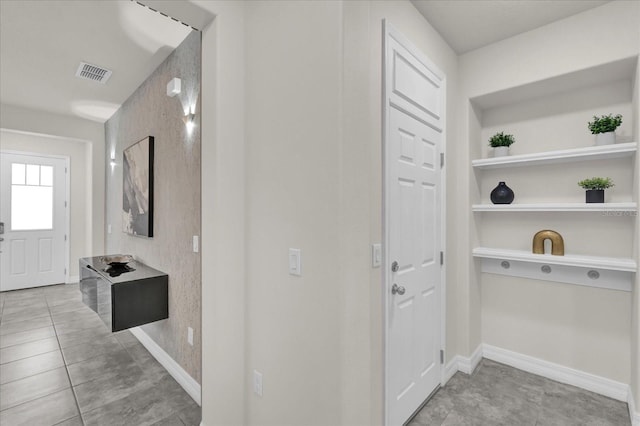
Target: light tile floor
point(496, 394)
point(60, 365)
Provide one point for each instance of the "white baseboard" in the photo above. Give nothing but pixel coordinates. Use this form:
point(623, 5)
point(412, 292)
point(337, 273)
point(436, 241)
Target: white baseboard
point(450, 369)
point(467, 365)
point(463, 364)
point(600, 385)
point(177, 372)
point(73, 279)
point(633, 414)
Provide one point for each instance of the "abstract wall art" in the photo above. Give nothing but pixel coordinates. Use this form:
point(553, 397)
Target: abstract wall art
point(137, 190)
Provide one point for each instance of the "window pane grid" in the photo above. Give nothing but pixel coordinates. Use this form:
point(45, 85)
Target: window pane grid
point(31, 197)
point(31, 175)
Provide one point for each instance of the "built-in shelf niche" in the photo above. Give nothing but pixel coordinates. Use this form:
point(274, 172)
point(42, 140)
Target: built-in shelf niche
point(553, 147)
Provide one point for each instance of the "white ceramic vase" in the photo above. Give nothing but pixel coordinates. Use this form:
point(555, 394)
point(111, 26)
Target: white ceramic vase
point(500, 151)
point(608, 138)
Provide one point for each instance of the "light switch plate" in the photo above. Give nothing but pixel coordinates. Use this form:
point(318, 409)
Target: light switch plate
point(257, 382)
point(294, 262)
point(196, 244)
point(190, 335)
point(376, 255)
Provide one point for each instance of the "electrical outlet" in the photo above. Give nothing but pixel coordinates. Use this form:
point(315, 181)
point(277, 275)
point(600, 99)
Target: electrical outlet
point(196, 244)
point(190, 335)
point(257, 382)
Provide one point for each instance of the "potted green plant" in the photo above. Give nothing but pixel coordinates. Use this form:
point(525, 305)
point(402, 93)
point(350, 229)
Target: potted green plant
point(500, 142)
point(595, 188)
point(604, 127)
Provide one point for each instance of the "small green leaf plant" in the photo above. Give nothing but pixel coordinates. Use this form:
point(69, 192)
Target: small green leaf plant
point(596, 183)
point(605, 123)
point(500, 139)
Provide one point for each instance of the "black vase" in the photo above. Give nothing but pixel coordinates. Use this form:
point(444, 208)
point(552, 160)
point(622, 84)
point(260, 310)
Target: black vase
point(502, 194)
point(595, 195)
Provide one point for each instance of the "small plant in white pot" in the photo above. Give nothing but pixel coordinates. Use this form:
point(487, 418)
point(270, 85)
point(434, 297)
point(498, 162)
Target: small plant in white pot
point(604, 127)
point(595, 188)
point(500, 142)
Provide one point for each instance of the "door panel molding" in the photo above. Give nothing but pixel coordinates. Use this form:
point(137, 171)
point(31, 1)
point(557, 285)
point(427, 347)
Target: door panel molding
point(424, 103)
point(37, 243)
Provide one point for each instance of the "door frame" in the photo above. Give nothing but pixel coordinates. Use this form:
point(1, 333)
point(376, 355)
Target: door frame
point(67, 209)
point(389, 31)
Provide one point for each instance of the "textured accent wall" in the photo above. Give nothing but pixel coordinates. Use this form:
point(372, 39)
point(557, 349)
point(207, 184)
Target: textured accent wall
point(177, 190)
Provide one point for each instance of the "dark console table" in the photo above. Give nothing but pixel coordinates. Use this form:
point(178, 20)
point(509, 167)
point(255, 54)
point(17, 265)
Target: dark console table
point(126, 296)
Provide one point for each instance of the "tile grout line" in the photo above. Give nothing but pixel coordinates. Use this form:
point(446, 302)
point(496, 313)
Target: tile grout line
point(64, 361)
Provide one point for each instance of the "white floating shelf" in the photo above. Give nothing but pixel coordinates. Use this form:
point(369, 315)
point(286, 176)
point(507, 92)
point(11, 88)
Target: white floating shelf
point(603, 152)
point(558, 207)
point(593, 271)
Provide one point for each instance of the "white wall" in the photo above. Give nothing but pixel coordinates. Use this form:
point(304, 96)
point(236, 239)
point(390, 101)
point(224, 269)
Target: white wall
point(22, 119)
point(223, 192)
point(312, 169)
point(586, 329)
point(27, 120)
point(79, 153)
point(635, 313)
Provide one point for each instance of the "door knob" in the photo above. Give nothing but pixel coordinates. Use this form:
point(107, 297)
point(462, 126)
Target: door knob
point(396, 289)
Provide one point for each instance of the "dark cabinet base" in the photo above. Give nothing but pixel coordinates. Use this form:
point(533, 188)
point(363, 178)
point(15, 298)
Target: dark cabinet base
point(127, 300)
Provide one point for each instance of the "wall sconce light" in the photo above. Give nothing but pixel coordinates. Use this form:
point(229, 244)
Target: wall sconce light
point(190, 118)
point(189, 121)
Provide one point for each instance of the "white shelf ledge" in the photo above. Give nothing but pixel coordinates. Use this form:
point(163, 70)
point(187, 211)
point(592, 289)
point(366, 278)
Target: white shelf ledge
point(563, 156)
point(558, 207)
point(593, 271)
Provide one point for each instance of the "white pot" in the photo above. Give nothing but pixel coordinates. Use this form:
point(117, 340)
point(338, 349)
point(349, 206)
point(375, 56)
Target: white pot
point(608, 138)
point(501, 151)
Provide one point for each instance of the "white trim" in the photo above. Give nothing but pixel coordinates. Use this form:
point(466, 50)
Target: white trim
point(390, 32)
point(612, 263)
point(44, 135)
point(600, 385)
point(177, 372)
point(73, 279)
point(468, 365)
point(67, 195)
point(606, 209)
point(564, 156)
point(462, 364)
point(450, 369)
point(633, 414)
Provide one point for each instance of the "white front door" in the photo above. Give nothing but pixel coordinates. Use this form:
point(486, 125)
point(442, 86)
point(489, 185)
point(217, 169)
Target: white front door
point(414, 125)
point(33, 213)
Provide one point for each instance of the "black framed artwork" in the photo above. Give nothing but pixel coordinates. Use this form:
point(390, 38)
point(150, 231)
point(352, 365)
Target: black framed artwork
point(137, 189)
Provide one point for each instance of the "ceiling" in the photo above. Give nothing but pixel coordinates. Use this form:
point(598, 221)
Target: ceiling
point(43, 42)
point(469, 24)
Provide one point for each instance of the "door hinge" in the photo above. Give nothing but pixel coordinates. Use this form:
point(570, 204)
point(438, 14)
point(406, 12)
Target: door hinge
point(442, 258)
point(65, 271)
point(65, 237)
point(65, 204)
point(65, 170)
point(441, 159)
point(441, 356)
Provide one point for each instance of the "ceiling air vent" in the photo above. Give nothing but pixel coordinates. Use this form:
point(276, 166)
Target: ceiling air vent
point(93, 73)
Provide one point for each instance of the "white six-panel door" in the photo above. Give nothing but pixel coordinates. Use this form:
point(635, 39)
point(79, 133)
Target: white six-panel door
point(33, 209)
point(414, 126)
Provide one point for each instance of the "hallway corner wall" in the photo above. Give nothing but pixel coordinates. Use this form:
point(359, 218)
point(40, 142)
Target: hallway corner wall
point(177, 191)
